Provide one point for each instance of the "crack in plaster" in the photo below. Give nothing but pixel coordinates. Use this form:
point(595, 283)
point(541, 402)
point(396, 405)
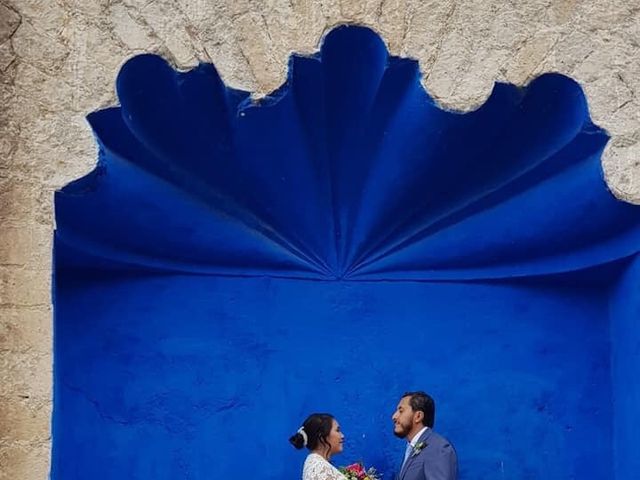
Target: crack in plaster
point(169, 426)
point(444, 32)
point(18, 19)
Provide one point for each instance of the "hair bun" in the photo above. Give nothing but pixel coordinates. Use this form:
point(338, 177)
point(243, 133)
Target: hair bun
point(297, 440)
point(313, 432)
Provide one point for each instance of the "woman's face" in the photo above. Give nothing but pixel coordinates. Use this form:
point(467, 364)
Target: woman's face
point(335, 438)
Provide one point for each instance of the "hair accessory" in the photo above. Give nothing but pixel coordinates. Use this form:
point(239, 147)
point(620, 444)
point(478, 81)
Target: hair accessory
point(304, 436)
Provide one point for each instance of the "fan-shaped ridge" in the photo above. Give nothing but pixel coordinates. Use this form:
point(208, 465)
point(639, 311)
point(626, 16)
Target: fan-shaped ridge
point(349, 170)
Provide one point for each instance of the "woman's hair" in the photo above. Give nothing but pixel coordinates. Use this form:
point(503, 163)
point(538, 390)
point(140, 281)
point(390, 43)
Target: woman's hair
point(314, 432)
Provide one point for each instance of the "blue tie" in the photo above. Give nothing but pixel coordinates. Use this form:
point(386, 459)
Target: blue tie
point(407, 452)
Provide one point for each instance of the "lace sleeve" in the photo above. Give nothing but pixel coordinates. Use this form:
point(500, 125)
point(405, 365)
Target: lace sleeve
point(316, 468)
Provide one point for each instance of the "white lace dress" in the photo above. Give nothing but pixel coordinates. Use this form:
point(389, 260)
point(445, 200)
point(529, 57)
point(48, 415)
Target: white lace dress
point(317, 468)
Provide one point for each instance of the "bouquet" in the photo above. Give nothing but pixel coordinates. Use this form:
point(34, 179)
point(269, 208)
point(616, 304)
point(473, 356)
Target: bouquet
point(356, 471)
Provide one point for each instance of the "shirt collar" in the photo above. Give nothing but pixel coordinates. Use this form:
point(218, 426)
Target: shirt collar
point(415, 439)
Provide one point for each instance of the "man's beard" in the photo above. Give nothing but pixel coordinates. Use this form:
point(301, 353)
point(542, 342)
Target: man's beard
point(404, 430)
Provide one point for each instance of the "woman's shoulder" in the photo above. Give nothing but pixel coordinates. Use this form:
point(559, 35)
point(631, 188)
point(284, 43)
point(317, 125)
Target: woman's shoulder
point(317, 468)
point(314, 458)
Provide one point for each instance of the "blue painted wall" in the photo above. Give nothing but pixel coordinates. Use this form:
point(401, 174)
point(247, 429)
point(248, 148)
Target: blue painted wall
point(161, 377)
point(230, 266)
point(625, 341)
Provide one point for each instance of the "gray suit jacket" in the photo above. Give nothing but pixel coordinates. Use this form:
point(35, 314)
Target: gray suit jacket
point(436, 461)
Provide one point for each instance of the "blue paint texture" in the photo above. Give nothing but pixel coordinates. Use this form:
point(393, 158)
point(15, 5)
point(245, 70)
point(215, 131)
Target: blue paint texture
point(232, 265)
point(625, 341)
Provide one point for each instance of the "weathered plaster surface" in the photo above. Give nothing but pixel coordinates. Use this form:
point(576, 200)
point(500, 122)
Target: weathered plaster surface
point(59, 59)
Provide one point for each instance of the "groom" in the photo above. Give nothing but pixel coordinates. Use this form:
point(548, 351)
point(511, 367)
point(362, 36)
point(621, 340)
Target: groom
point(428, 455)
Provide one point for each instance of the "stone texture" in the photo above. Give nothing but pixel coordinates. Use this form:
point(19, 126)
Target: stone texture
point(23, 420)
point(58, 61)
point(14, 338)
point(9, 22)
point(28, 460)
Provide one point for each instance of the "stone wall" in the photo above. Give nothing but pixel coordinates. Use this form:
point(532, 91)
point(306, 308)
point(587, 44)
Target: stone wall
point(59, 60)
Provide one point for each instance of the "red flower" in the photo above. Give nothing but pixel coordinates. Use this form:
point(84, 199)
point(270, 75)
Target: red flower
point(358, 469)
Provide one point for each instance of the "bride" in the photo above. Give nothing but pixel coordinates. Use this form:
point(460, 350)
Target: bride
point(321, 434)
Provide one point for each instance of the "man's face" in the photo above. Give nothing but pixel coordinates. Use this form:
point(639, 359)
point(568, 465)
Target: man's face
point(403, 418)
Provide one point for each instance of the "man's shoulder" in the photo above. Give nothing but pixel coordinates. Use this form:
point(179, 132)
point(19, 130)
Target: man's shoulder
point(437, 440)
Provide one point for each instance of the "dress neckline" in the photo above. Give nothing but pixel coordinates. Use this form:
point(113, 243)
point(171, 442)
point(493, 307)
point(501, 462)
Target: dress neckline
point(320, 457)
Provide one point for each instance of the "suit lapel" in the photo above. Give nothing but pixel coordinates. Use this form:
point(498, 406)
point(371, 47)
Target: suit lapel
point(423, 438)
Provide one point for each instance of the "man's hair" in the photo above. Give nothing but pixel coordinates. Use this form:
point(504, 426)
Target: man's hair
point(421, 402)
